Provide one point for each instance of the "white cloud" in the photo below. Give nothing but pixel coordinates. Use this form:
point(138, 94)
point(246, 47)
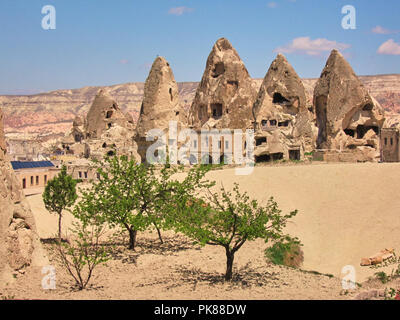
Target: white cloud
point(178, 11)
point(389, 47)
point(304, 45)
point(272, 5)
point(382, 30)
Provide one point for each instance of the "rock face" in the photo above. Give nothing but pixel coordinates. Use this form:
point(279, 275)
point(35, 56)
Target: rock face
point(104, 131)
point(161, 104)
point(348, 118)
point(225, 96)
point(283, 123)
point(19, 244)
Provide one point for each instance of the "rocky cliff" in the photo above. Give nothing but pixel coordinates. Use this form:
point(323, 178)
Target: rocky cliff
point(19, 243)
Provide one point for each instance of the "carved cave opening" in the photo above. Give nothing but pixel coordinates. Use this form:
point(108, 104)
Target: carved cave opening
point(362, 130)
point(263, 158)
point(350, 132)
point(218, 70)
point(260, 141)
point(280, 99)
point(109, 114)
point(294, 154)
point(277, 156)
point(368, 107)
point(216, 109)
point(283, 123)
point(273, 123)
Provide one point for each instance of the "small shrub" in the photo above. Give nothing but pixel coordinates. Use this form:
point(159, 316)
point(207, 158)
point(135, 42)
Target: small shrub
point(382, 276)
point(285, 253)
point(81, 255)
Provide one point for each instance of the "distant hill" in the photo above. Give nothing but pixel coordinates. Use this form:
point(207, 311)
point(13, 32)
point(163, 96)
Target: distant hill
point(53, 112)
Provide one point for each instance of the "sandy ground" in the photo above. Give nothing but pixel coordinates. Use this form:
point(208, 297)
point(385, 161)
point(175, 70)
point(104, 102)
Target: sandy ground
point(346, 212)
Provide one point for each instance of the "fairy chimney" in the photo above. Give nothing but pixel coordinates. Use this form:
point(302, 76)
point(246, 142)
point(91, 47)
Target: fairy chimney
point(103, 114)
point(348, 118)
point(160, 106)
point(226, 93)
point(283, 126)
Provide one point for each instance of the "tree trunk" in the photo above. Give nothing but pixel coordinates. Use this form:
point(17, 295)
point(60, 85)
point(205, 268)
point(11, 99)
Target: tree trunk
point(229, 264)
point(132, 238)
point(59, 226)
point(159, 234)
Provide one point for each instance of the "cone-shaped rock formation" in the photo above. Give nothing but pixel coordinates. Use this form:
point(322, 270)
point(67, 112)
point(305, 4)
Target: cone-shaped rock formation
point(105, 131)
point(348, 118)
point(161, 104)
point(226, 93)
point(283, 123)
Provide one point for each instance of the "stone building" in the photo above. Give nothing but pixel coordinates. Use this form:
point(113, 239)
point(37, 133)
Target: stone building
point(82, 169)
point(390, 151)
point(34, 174)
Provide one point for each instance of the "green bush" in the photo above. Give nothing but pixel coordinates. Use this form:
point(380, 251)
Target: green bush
point(286, 253)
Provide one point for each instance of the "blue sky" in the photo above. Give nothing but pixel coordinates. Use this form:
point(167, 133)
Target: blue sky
point(99, 42)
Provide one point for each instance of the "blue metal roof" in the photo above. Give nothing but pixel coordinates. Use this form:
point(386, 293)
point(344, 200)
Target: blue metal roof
point(31, 164)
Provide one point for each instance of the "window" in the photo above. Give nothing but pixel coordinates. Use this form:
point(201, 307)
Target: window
point(218, 70)
point(272, 123)
point(109, 114)
point(45, 179)
point(216, 109)
point(194, 143)
point(283, 123)
point(260, 141)
point(31, 181)
point(385, 141)
point(391, 141)
point(279, 99)
point(24, 183)
point(37, 180)
point(294, 154)
point(80, 174)
point(86, 175)
point(226, 144)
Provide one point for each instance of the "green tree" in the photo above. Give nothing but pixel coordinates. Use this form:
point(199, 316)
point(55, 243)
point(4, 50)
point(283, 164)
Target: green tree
point(60, 194)
point(229, 219)
point(132, 196)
